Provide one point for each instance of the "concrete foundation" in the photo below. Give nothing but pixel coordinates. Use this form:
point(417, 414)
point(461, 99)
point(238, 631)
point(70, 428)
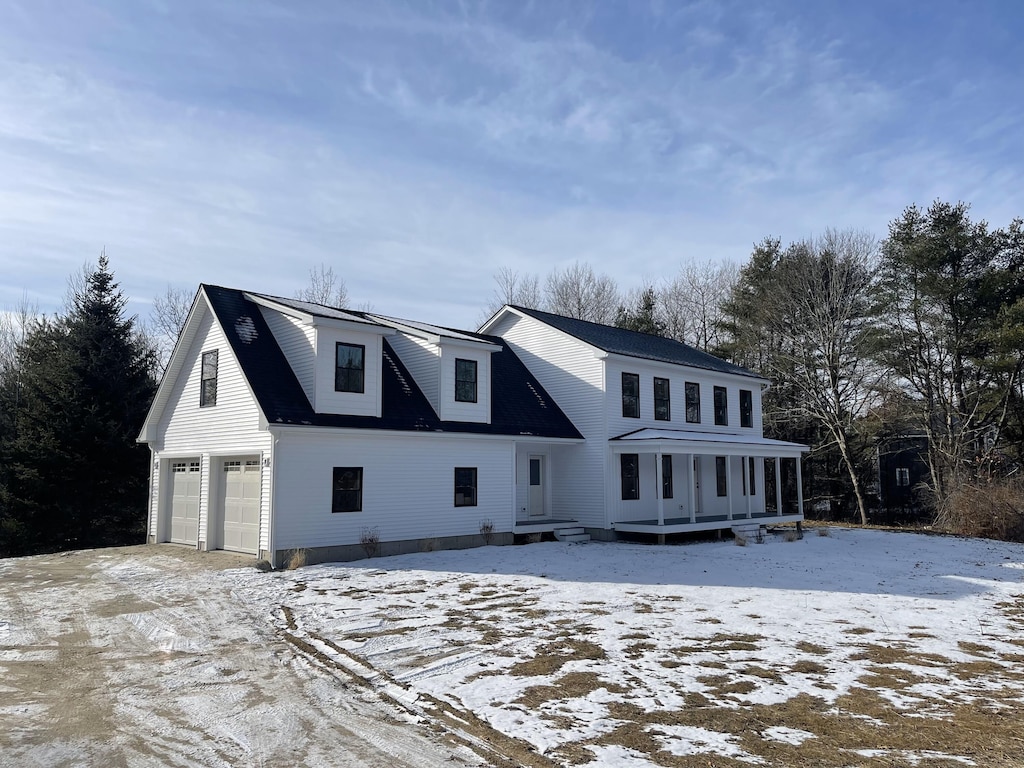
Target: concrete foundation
point(348, 552)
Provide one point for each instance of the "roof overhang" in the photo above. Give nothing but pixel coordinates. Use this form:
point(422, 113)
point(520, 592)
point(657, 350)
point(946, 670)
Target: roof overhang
point(708, 443)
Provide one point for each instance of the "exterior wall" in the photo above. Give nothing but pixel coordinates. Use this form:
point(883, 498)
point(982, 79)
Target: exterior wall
point(451, 410)
point(366, 403)
point(573, 375)
point(408, 486)
point(298, 342)
point(423, 361)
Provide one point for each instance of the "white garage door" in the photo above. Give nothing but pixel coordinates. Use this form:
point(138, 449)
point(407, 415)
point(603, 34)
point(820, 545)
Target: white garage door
point(185, 501)
point(241, 505)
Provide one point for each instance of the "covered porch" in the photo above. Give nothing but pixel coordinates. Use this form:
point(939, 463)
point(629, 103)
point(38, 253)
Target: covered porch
point(678, 481)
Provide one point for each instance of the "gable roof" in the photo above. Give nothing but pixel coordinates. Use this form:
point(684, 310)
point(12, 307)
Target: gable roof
point(646, 346)
point(519, 405)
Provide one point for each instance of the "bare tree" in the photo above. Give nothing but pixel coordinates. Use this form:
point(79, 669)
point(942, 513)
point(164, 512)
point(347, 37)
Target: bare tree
point(512, 287)
point(578, 292)
point(15, 324)
point(692, 302)
point(324, 287)
point(170, 311)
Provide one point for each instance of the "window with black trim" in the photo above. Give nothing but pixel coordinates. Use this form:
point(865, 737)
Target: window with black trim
point(465, 380)
point(721, 407)
point(631, 395)
point(721, 483)
point(465, 486)
point(902, 477)
point(692, 402)
point(662, 400)
point(347, 490)
point(666, 477)
point(746, 408)
point(350, 368)
point(629, 465)
point(752, 478)
point(208, 383)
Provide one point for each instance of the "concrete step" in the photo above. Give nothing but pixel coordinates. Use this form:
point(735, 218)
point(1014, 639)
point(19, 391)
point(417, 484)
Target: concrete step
point(573, 534)
point(575, 538)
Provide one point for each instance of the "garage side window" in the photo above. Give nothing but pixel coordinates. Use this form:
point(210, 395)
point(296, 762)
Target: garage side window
point(348, 490)
point(465, 486)
point(208, 383)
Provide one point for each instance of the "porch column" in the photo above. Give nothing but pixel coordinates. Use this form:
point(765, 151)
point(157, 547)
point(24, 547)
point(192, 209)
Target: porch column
point(778, 486)
point(750, 481)
point(728, 484)
point(691, 476)
point(658, 469)
point(799, 488)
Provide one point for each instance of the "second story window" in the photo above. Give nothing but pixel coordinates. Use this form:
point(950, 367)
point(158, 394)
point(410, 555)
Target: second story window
point(746, 408)
point(465, 381)
point(631, 395)
point(662, 402)
point(350, 368)
point(208, 383)
point(692, 402)
point(721, 407)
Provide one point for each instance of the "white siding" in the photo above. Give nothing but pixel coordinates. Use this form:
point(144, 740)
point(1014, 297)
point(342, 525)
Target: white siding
point(298, 342)
point(408, 486)
point(366, 403)
point(451, 410)
point(423, 361)
point(155, 476)
point(573, 376)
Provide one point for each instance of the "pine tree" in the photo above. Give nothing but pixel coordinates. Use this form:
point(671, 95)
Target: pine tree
point(75, 475)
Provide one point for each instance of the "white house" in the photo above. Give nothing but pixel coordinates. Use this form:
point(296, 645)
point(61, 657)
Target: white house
point(284, 425)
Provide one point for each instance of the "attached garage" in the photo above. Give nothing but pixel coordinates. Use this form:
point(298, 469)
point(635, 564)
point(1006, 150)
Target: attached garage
point(240, 505)
point(185, 501)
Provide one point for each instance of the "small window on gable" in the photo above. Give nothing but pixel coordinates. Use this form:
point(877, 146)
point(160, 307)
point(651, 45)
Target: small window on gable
point(630, 470)
point(465, 486)
point(347, 493)
point(631, 395)
point(721, 482)
point(208, 383)
point(350, 368)
point(721, 407)
point(465, 381)
point(746, 408)
point(902, 476)
point(692, 402)
point(662, 400)
point(666, 477)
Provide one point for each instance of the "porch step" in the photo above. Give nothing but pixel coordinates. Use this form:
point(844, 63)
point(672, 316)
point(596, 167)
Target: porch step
point(571, 535)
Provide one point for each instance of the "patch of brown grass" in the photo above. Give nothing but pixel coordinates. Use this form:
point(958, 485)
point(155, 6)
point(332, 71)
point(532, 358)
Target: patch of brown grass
point(975, 649)
point(806, 667)
point(806, 647)
point(551, 657)
point(574, 685)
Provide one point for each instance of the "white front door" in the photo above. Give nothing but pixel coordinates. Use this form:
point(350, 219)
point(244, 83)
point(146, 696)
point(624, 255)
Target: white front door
point(241, 505)
point(536, 501)
point(185, 501)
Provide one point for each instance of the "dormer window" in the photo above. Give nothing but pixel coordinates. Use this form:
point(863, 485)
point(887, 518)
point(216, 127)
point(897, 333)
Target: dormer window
point(350, 370)
point(465, 381)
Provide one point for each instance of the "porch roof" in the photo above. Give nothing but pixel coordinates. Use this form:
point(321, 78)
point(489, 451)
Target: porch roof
point(720, 444)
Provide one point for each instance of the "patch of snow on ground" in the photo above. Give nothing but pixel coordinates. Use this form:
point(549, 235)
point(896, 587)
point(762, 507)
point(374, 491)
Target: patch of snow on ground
point(793, 736)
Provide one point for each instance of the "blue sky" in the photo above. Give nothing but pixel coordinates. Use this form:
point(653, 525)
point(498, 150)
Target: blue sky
point(418, 146)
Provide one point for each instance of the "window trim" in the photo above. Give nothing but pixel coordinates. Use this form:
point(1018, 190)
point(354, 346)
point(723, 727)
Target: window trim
point(208, 399)
point(627, 461)
point(746, 408)
point(362, 368)
point(721, 476)
point(473, 381)
point(902, 473)
point(721, 408)
point(357, 504)
point(666, 400)
point(631, 403)
point(692, 386)
point(472, 484)
point(667, 488)
point(752, 477)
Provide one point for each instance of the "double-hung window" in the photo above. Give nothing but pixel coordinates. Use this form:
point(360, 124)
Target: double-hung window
point(666, 477)
point(350, 368)
point(721, 407)
point(692, 402)
point(465, 486)
point(631, 395)
point(662, 400)
point(721, 482)
point(630, 470)
point(208, 383)
point(347, 490)
point(903, 477)
point(465, 381)
point(746, 408)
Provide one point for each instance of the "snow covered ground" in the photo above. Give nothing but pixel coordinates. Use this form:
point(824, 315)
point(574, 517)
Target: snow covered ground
point(853, 648)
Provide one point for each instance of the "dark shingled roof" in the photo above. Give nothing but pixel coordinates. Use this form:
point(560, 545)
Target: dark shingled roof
point(519, 405)
point(619, 341)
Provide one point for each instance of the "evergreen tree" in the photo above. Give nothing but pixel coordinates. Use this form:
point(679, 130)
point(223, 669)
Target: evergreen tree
point(644, 317)
point(75, 476)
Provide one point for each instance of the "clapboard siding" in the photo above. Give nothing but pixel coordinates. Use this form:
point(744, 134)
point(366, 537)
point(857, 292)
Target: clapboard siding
point(422, 359)
point(421, 506)
point(155, 485)
point(298, 342)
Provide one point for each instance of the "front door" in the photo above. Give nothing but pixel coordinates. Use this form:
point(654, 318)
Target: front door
point(537, 486)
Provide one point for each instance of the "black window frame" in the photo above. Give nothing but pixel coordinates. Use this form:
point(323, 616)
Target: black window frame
point(666, 477)
point(721, 401)
point(631, 403)
point(467, 481)
point(208, 383)
point(902, 474)
point(346, 372)
point(629, 476)
point(462, 396)
point(692, 402)
point(348, 499)
point(721, 479)
point(746, 408)
point(663, 405)
point(751, 477)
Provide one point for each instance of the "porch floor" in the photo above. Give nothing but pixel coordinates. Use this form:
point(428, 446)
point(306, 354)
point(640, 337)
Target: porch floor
point(703, 523)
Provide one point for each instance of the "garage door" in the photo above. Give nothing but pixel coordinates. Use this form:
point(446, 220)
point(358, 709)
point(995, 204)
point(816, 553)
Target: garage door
point(241, 505)
point(185, 501)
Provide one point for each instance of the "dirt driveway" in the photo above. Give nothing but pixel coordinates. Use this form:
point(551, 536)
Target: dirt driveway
point(139, 656)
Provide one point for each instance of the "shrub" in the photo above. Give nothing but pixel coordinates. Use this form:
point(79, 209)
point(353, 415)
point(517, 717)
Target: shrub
point(990, 510)
point(487, 530)
point(370, 539)
point(297, 559)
